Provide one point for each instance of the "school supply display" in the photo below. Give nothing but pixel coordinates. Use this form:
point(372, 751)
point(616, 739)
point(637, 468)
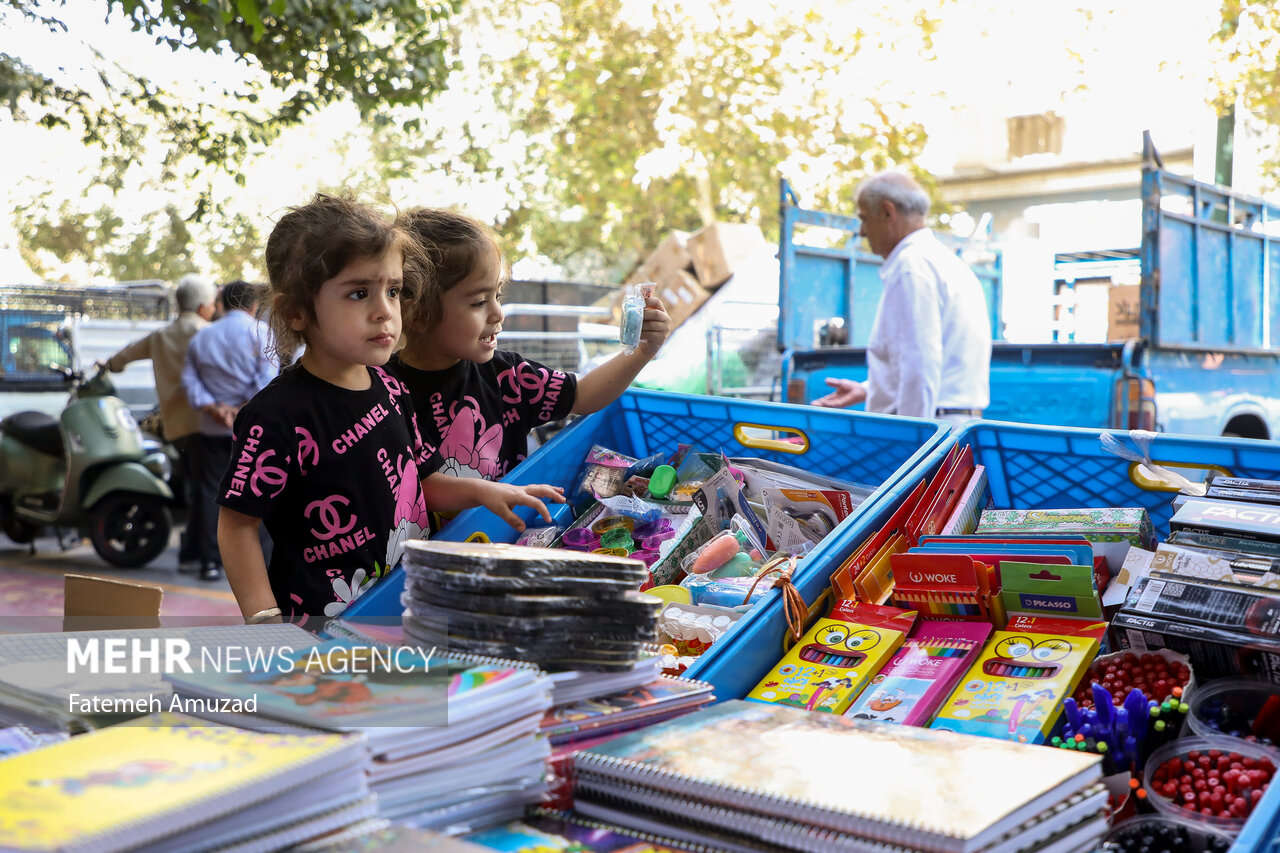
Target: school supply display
point(832, 663)
point(1241, 519)
point(178, 784)
point(558, 609)
point(574, 685)
point(944, 586)
point(1111, 530)
point(1014, 690)
point(661, 699)
point(975, 498)
point(343, 686)
point(920, 675)
point(745, 773)
point(852, 579)
point(1224, 629)
point(551, 831)
point(444, 731)
point(1035, 589)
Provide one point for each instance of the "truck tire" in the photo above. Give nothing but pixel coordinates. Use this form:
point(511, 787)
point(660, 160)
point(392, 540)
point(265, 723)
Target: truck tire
point(130, 530)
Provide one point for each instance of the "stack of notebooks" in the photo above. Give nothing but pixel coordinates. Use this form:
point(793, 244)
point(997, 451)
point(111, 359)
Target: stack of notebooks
point(744, 776)
point(170, 783)
point(663, 698)
point(563, 610)
point(66, 681)
point(453, 741)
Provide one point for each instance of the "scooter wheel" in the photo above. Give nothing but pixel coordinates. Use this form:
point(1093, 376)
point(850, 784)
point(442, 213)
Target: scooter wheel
point(129, 530)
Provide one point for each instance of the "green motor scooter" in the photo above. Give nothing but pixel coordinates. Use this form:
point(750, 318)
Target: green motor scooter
point(86, 470)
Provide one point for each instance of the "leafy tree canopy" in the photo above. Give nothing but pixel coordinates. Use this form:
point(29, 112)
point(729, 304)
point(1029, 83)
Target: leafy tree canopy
point(1249, 75)
point(304, 54)
point(642, 116)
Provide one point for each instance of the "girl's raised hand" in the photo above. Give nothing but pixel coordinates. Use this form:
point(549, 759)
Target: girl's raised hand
point(503, 498)
point(656, 327)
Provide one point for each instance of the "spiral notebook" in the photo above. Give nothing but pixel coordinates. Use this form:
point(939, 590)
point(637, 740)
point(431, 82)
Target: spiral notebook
point(151, 781)
point(810, 781)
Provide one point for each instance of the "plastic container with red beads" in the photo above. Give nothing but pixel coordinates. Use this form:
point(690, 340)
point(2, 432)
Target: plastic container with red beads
point(1216, 780)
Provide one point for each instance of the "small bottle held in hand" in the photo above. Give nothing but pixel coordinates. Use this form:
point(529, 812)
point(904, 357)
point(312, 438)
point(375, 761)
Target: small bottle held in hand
point(633, 316)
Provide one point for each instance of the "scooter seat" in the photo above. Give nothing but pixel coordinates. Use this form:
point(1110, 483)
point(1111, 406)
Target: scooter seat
point(36, 430)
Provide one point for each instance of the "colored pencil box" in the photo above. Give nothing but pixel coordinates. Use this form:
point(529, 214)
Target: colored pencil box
point(921, 675)
point(835, 658)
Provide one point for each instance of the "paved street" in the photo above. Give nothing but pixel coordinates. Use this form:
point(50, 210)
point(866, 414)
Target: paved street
point(31, 585)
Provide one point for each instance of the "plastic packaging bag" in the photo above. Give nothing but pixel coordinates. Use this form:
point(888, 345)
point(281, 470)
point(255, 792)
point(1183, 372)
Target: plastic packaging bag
point(633, 316)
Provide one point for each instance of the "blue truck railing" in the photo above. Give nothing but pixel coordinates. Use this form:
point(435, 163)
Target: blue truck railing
point(1210, 261)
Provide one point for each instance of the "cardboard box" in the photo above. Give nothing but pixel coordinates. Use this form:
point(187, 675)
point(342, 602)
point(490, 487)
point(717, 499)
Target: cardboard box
point(671, 256)
point(720, 248)
point(102, 604)
point(681, 293)
point(1124, 312)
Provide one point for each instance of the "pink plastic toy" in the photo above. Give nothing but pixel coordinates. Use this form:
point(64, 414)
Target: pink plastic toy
point(715, 553)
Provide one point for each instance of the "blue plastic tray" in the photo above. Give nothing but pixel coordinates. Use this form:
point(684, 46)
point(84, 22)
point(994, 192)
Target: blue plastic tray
point(865, 448)
point(1028, 467)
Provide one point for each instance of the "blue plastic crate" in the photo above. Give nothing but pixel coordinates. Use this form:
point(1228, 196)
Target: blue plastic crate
point(865, 448)
point(1042, 467)
point(1028, 467)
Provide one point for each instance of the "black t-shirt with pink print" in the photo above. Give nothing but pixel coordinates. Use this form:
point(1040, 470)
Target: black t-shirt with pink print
point(478, 416)
point(336, 476)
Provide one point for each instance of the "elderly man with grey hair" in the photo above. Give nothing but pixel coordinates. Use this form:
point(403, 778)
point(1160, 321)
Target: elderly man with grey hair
point(196, 297)
point(929, 354)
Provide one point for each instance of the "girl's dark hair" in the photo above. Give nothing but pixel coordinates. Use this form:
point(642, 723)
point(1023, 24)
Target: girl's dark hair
point(454, 244)
point(314, 242)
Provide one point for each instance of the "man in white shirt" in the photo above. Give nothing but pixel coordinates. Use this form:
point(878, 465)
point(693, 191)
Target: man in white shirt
point(929, 355)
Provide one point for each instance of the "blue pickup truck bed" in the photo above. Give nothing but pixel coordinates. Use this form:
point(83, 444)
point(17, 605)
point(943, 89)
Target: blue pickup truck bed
point(1210, 313)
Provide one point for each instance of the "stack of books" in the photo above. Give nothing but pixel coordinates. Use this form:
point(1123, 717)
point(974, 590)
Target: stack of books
point(563, 610)
point(170, 783)
point(749, 776)
point(452, 740)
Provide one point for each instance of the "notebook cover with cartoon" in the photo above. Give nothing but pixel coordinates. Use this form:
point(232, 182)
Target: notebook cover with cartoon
point(128, 785)
point(338, 686)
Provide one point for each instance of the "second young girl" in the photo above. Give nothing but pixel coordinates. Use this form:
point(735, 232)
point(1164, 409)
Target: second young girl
point(475, 402)
point(329, 455)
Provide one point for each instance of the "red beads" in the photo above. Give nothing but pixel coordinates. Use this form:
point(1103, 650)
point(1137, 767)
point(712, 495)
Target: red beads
point(1215, 783)
point(1155, 675)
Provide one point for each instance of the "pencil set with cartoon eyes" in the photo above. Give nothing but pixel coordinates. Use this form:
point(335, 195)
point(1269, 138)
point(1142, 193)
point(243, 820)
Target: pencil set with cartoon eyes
point(1015, 687)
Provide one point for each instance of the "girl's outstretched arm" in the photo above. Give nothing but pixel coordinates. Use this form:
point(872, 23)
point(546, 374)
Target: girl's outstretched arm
point(606, 383)
point(443, 493)
point(243, 561)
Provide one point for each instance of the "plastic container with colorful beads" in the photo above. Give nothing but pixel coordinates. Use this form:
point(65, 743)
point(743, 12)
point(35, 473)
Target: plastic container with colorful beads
point(1214, 780)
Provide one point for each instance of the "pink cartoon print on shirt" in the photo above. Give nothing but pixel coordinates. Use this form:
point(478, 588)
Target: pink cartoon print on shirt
point(470, 447)
point(411, 511)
